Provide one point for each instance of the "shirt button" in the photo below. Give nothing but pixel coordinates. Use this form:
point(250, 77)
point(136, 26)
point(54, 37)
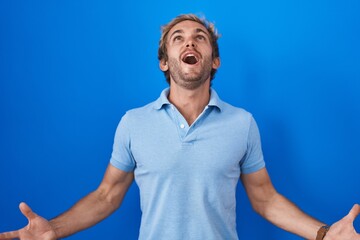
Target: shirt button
point(182, 126)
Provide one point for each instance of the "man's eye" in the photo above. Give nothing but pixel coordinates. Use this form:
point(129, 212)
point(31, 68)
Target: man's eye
point(200, 37)
point(177, 38)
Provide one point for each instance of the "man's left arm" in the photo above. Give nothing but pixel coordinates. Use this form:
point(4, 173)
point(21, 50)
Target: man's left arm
point(283, 213)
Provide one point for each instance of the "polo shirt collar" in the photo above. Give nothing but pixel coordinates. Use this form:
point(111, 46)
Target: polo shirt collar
point(215, 101)
point(162, 100)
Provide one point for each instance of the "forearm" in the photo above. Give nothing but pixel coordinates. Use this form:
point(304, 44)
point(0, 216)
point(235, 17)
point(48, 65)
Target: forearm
point(87, 212)
point(96, 206)
point(286, 215)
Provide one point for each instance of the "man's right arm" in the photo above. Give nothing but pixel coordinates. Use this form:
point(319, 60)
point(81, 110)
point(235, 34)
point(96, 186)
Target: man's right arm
point(87, 212)
point(96, 206)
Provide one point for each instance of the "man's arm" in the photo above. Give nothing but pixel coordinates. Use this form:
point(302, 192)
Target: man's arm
point(274, 207)
point(96, 206)
point(281, 212)
point(87, 212)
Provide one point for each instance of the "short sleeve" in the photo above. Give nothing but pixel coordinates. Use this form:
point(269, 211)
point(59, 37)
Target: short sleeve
point(121, 156)
point(253, 160)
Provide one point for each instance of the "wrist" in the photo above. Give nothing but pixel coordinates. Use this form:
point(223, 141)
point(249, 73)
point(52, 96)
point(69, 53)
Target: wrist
point(56, 227)
point(322, 232)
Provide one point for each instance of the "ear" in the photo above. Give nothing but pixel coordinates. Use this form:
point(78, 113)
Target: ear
point(216, 63)
point(163, 65)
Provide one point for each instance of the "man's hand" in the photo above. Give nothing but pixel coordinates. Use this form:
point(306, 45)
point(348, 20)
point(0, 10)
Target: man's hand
point(38, 227)
point(344, 229)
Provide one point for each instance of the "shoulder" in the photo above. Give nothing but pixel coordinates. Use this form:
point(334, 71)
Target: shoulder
point(227, 110)
point(232, 111)
point(139, 111)
point(149, 109)
point(139, 115)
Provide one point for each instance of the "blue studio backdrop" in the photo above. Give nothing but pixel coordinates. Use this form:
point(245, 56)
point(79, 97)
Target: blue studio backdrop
point(70, 69)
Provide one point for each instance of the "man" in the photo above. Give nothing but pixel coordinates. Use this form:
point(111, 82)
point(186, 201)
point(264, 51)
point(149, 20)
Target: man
point(186, 151)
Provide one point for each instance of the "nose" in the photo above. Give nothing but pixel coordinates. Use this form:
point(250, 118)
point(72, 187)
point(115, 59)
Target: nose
point(190, 43)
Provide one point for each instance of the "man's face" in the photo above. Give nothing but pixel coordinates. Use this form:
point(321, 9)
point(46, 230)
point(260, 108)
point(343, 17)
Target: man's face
point(189, 55)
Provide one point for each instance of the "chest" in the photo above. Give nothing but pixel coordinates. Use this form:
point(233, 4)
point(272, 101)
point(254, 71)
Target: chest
point(211, 148)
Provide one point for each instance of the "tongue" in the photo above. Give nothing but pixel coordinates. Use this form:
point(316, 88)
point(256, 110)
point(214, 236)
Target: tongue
point(190, 60)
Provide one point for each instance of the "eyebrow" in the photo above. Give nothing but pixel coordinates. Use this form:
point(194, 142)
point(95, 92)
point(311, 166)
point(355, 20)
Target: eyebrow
point(197, 30)
point(175, 32)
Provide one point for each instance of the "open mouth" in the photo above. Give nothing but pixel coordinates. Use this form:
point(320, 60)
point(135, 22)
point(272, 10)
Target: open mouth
point(190, 59)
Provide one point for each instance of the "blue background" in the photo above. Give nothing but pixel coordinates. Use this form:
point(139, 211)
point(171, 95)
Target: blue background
point(70, 69)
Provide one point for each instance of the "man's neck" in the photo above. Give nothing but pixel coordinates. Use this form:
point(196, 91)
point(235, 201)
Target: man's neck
point(190, 103)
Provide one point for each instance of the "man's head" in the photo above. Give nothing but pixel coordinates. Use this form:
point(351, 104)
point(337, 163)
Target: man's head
point(206, 28)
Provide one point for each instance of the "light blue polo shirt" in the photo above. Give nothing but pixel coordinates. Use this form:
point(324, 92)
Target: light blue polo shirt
point(187, 175)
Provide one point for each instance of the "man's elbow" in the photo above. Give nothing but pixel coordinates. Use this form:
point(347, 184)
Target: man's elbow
point(264, 206)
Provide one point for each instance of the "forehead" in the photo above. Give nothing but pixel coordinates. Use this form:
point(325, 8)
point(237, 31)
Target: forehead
point(188, 26)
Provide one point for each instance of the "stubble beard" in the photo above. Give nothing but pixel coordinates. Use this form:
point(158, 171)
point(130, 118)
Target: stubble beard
point(191, 80)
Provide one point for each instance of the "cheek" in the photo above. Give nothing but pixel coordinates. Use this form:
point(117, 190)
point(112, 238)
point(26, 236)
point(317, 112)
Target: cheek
point(171, 55)
point(207, 51)
point(172, 49)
